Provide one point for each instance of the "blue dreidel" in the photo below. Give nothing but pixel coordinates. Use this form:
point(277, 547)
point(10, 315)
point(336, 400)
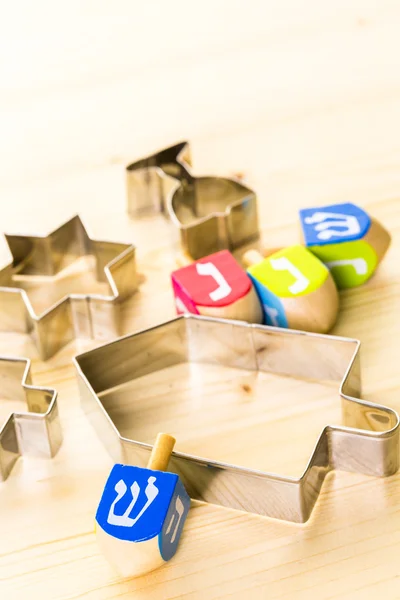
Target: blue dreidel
point(141, 513)
point(346, 239)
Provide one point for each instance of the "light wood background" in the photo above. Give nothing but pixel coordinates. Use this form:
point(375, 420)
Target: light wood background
point(304, 99)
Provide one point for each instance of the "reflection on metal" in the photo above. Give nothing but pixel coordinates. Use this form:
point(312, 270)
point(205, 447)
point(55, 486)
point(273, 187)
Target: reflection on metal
point(36, 432)
point(367, 442)
point(210, 213)
point(90, 316)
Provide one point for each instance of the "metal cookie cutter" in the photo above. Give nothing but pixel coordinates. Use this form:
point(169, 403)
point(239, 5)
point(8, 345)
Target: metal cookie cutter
point(368, 442)
point(90, 316)
point(211, 213)
point(36, 432)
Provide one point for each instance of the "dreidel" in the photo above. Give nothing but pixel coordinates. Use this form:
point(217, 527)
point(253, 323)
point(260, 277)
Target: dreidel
point(142, 512)
point(295, 288)
point(216, 286)
point(346, 239)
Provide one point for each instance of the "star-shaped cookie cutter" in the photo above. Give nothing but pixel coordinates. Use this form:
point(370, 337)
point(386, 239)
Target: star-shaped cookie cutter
point(210, 213)
point(368, 442)
point(36, 432)
point(87, 316)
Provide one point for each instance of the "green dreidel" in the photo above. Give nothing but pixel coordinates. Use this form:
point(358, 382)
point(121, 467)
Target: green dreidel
point(295, 288)
point(141, 513)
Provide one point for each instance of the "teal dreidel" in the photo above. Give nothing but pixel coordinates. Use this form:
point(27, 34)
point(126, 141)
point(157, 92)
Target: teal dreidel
point(141, 513)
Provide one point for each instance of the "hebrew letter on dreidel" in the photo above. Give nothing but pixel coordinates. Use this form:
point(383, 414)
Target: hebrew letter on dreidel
point(284, 264)
point(224, 289)
point(325, 224)
point(181, 308)
point(151, 492)
point(360, 264)
point(121, 489)
point(179, 511)
point(125, 520)
point(272, 314)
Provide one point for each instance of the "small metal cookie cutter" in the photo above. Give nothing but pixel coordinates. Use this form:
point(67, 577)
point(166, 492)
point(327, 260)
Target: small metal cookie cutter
point(90, 316)
point(36, 432)
point(368, 442)
point(211, 213)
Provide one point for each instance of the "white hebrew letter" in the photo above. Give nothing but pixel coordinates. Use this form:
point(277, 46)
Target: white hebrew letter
point(359, 264)
point(179, 511)
point(125, 520)
point(272, 313)
point(121, 489)
point(224, 289)
point(179, 305)
point(284, 264)
point(349, 222)
point(151, 492)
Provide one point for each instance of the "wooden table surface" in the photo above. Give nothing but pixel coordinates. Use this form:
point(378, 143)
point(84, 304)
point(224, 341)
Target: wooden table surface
point(304, 99)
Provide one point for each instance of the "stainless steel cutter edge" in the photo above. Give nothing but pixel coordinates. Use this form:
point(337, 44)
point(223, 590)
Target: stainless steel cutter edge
point(163, 183)
point(90, 316)
point(368, 442)
point(37, 432)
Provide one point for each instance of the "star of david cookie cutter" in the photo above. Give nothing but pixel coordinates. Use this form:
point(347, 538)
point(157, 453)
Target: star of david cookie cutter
point(87, 316)
point(368, 442)
point(36, 432)
point(210, 213)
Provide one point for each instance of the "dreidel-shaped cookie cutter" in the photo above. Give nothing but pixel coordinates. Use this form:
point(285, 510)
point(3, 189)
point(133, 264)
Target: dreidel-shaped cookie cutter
point(36, 432)
point(368, 442)
point(90, 316)
point(211, 213)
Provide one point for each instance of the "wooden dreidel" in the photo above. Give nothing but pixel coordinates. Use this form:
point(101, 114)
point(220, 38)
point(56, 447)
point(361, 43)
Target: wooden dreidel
point(217, 286)
point(141, 513)
point(346, 239)
point(295, 288)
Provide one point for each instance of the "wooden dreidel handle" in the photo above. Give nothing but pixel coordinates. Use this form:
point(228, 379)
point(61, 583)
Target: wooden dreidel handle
point(161, 452)
point(295, 289)
point(183, 259)
point(141, 513)
point(252, 257)
point(216, 286)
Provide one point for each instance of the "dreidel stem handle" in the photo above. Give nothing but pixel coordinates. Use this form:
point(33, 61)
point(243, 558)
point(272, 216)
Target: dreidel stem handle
point(183, 259)
point(161, 452)
point(252, 257)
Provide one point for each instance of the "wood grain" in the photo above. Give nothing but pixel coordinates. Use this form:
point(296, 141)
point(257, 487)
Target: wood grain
point(303, 98)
